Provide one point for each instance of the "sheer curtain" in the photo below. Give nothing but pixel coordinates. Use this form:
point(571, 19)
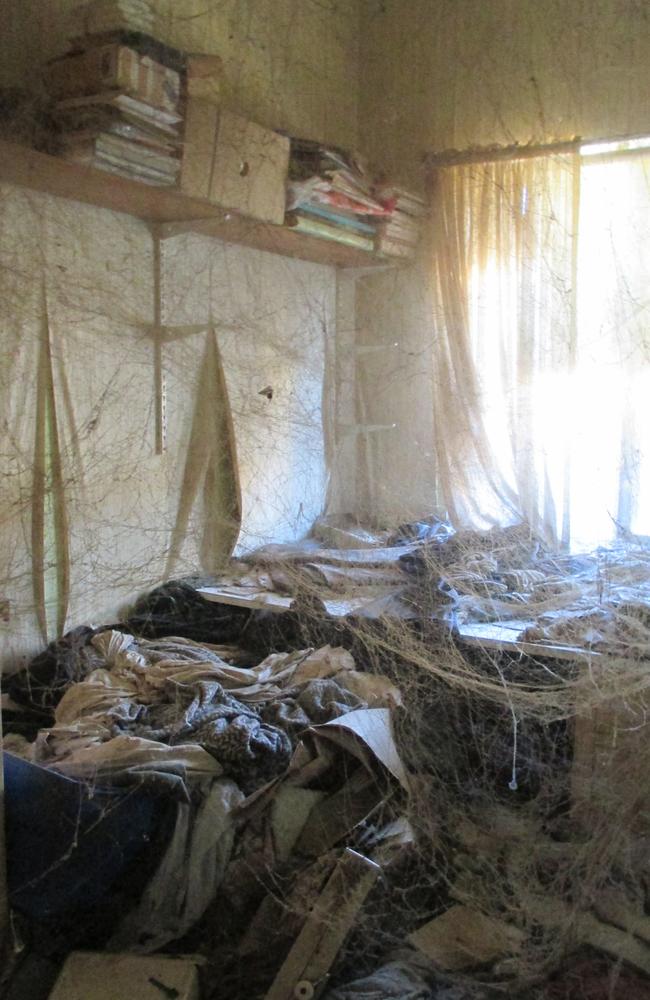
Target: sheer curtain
point(541, 283)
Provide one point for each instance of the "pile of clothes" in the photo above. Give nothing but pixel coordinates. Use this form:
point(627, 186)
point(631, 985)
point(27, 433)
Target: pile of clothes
point(232, 745)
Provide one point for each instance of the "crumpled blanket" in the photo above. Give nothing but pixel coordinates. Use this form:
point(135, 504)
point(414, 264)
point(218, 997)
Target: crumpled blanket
point(180, 892)
point(124, 760)
point(176, 607)
point(407, 977)
point(64, 662)
point(232, 732)
point(317, 702)
point(175, 708)
point(398, 980)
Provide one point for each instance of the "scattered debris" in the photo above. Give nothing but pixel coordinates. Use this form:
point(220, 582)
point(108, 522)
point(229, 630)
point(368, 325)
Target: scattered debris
point(462, 938)
point(308, 963)
point(107, 976)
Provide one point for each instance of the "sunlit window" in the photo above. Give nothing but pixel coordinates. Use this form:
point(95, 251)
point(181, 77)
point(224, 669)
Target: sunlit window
point(564, 362)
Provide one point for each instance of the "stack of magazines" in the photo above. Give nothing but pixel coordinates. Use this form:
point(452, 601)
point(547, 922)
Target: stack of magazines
point(330, 195)
point(399, 235)
point(118, 97)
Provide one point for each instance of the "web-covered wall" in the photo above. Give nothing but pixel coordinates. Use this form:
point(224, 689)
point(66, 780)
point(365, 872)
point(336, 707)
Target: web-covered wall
point(275, 320)
point(445, 74)
point(289, 64)
point(79, 405)
point(112, 518)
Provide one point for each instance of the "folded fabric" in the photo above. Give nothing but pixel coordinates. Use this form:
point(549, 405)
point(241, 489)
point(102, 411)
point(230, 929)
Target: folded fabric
point(179, 893)
point(127, 759)
point(397, 980)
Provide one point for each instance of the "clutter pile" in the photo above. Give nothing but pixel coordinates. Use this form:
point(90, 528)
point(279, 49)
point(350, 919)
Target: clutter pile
point(332, 194)
point(293, 754)
point(399, 235)
point(118, 94)
point(597, 601)
point(384, 812)
point(329, 194)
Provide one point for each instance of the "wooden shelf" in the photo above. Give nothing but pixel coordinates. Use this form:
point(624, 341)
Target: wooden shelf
point(177, 213)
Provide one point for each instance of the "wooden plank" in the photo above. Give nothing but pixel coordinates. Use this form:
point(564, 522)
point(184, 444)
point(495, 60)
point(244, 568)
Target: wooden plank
point(249, 169)
point(27, 168)
point(201, 123)
point(557, 915)
point(462, 937)
point(608, 773)
point(51, 175)
point(335, 817)
point(306, 967)
point(283, 240)
point(504, 636)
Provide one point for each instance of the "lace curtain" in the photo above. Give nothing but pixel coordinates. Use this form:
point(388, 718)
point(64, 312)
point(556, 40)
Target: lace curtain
point(541, 336)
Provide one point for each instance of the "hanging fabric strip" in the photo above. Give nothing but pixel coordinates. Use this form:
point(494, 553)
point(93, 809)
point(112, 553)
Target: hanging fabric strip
point(50, 537)
point(210, 469)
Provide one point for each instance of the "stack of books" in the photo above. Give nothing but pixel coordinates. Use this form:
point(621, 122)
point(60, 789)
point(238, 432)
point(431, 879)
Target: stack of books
point(104, 16)
point(399, 235)
point(330, 195)
point(118, 98)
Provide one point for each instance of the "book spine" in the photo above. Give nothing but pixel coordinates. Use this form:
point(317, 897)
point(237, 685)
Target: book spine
point(111, 168)
point(349, 221)
point(133, 169)
point(312, 227)
point(128, 150)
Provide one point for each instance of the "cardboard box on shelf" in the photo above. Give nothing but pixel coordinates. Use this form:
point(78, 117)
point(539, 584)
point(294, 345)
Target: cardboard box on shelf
point(205, 77)
point(118, 68)
point(234, 162)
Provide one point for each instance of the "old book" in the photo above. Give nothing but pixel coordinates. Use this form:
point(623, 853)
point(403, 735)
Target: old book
point(122, 149)
point(340, 234)
point(131, 107)
point(115, 68)
point(78, 127)
point(404, 201)
point(124, 169)
point(348, 221)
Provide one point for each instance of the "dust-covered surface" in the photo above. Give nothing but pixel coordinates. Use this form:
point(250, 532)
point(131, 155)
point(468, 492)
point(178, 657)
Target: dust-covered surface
point(92, 515)
point(501, 793)
point(511, 797)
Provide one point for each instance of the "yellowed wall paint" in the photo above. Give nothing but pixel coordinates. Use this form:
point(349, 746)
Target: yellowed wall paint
point(441, 74)
point(290, 64)
point(272, 318)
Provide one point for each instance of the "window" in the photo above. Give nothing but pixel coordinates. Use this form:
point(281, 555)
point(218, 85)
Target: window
point(545, 341)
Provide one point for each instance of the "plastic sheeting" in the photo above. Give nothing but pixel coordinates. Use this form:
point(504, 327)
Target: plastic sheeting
point(92, 515)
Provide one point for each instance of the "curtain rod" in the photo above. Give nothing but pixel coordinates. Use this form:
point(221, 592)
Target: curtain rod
point(490, 154)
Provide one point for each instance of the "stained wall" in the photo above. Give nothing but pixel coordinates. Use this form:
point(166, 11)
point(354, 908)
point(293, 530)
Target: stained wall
point(455, 74)
point(451, 74)
point(77, 296)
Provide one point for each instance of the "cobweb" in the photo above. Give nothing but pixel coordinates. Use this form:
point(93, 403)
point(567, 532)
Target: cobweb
point(132, 455)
